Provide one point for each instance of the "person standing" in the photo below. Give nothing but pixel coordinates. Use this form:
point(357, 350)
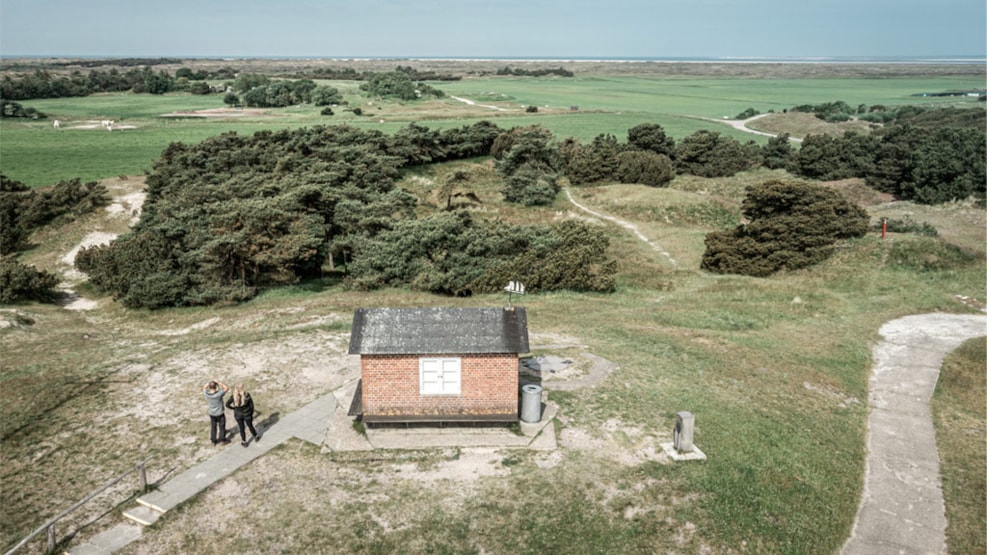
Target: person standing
point(214, 392)
point(243, 412)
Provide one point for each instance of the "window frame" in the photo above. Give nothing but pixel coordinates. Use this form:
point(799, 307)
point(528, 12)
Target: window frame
point(444, 384)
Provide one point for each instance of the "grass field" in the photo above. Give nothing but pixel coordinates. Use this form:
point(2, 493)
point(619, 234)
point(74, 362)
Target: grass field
point(35, 153)
point(775, 370)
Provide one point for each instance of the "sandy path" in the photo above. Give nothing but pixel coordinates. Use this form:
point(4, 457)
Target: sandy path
point(741, 125)
point(626, 225)
point(472, 103)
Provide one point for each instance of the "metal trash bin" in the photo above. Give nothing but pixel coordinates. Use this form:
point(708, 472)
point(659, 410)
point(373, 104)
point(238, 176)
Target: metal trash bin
point(531, 403)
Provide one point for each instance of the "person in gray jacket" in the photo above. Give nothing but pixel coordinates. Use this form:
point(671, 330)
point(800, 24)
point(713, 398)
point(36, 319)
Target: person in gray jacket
point(214, 392)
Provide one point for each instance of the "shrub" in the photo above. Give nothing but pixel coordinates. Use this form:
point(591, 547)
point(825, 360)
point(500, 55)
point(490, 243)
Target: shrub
point(652, 137)
point(906, 225)
point(709, 154)
point(19, 282)
point(791, 226)
point(645, 167)
point(452, 254)
point(530, 185)
point(746, 114)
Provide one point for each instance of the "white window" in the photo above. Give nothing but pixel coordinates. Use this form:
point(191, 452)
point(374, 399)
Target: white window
point(439, 376)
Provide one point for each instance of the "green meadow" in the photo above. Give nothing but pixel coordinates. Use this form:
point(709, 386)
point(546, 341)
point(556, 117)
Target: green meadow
point(35, 153)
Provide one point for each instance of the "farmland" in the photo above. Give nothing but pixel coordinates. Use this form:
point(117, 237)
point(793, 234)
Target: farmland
point(775, 369)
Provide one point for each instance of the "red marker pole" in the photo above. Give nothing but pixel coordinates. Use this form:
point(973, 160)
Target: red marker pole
point(884, 228)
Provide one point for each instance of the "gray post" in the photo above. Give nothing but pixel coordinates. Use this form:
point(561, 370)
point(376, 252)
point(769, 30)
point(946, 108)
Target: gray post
point(51, 538)
point(684, 426)
point(142, 477)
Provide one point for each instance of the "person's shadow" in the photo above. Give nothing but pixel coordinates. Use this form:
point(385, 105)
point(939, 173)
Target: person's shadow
point(261, 426)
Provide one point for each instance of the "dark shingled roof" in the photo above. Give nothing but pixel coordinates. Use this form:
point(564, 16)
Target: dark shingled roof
point(382, 331)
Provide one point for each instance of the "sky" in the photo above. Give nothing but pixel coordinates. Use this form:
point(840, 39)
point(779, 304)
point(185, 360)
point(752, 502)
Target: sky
point(493, 28)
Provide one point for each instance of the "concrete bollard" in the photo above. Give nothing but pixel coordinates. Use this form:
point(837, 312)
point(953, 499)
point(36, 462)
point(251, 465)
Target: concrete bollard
point(684, 428)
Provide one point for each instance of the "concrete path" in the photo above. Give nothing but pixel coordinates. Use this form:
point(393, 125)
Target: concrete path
point(902, 510)
point(323, 422)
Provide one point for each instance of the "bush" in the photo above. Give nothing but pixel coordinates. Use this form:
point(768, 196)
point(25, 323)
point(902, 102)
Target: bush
point(651, 137)
point(746, 114)
point(645, 167)
point(709, 154)
point(531, 109)
point(530, 186)
point(907, 225)
point(452, 254)
point(19, 282)
point(791, 226)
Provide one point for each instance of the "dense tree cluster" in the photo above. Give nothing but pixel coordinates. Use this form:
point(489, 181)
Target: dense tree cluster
point(24, 210)
point(44, 84)
point(11, 109)
point(234, 214)
point(260, 91)
point(790, 226)
point(521, 72)
point(527, 158)
point(650, 157)
point(399, 85)
point(916, 160)
point(350, 74)
point(453, 254)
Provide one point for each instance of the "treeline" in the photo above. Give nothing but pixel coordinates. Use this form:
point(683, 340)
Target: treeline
point(398, 84)
point(24, 210)
point(928, 156)
point(257, 90)
point(26, 65)
point(44, 84)
point(521, 72)
point(232, 215)
point(351, 74)
point(532, 162)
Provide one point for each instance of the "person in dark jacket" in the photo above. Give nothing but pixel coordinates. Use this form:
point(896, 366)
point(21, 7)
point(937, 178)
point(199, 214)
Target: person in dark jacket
point(243, 412)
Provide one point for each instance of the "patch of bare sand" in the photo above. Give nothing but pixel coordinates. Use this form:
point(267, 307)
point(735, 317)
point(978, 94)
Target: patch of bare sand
point(216, 113)
point(622, 443)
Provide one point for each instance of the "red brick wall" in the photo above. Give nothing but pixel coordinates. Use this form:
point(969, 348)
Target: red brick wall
point(391, 388)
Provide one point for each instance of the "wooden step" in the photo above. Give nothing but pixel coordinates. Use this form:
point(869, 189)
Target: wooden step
point(143, 515)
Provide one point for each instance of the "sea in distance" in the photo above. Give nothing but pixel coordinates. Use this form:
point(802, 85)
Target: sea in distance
point(945, 59)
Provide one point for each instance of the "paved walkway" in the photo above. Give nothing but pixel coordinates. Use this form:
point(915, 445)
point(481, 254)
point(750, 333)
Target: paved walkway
point(902, 510)
point(323, 422)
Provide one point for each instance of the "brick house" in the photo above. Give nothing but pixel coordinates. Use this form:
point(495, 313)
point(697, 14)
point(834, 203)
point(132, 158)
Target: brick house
point(438, 364)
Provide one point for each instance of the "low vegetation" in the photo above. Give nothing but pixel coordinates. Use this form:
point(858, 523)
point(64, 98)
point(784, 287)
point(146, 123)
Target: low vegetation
point(774, 368)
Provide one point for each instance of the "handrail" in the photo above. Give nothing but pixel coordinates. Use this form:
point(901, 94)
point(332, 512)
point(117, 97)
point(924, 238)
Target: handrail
point(49, 525)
